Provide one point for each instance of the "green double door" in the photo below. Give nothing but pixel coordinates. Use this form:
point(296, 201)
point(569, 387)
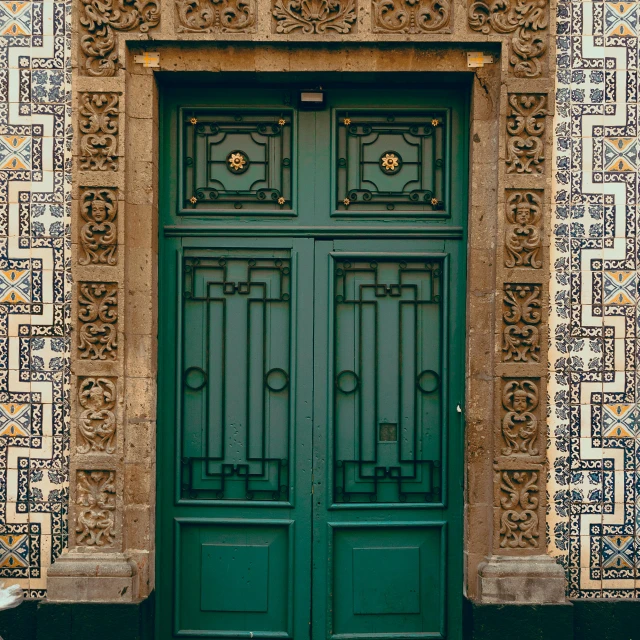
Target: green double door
point(312, 291)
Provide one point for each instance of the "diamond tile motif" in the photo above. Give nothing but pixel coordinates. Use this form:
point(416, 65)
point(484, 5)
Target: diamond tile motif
point(621, 19)
point(15, 420)
point(14, 551)
point(15, 286)
point(15, 18)
point(15, 153)
point(617, 552)
point(620, 287)
point(620, 421)
point(620, 154)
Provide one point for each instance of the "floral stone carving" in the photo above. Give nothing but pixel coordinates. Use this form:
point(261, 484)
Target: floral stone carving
point(207, 16)
point(101, 20)
point(519, 425)
point(98, 235)
point(521, 313)
point(525, 126)
point(97, 420)
point(98, 124)
point(523, 240)
point(410, 16)
point(526, 21)
point(314, 16)
point(519, 503)
point(96, 500)
point(98, 315)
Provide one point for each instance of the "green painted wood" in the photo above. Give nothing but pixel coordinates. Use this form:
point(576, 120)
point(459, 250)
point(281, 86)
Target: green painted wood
point(312, 296)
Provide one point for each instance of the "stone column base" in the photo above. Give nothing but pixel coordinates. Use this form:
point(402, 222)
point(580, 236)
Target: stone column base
point(92, 577)
point(521, 580)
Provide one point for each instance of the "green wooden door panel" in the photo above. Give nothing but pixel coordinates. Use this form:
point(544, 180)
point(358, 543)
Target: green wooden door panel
point(389, 344)
point(389, 580)
point(312, 331)
point(235, 438)
point(233, 578)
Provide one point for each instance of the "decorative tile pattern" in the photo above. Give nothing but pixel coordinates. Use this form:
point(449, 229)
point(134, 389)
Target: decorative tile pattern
point(35, 298)
point(594, 388)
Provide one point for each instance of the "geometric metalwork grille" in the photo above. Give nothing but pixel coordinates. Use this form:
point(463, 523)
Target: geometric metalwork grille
point(236, 162)
point(234, 418)
point(393, 164)
point(388, 387)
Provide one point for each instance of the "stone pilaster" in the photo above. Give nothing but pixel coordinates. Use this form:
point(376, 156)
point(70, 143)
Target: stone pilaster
point(97, 566)
point(518, 569)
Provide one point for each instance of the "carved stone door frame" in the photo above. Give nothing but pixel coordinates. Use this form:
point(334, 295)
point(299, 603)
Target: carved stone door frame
point(114, 315)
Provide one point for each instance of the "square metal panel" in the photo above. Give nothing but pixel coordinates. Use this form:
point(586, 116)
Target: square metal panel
point(236, 162)
point(392, 162)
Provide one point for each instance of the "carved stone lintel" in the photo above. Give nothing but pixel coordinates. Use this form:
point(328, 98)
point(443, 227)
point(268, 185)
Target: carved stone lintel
point(527, 22)
point(98, 124)
point(533, 579)
point(98, 235)
point(223, 16)
point(519, 425)
point(523, 240)
point(525, 129)
point(410, 16)
point(521, 314)
point(314, 16)
point(101, 19)
point(98, 316)
point(97, 420)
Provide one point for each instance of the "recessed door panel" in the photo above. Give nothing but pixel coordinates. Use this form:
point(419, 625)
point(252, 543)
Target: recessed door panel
point(233, 577)
point(388, 579)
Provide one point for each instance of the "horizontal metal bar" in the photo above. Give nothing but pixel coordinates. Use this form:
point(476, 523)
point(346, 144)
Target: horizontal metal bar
point(351, 231)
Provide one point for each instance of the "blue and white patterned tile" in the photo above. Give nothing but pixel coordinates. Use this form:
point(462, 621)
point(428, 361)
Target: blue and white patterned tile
point(34, 223)
point(593, 314)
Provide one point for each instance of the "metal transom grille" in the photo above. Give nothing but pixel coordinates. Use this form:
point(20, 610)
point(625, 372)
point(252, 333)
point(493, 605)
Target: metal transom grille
point(236, 159)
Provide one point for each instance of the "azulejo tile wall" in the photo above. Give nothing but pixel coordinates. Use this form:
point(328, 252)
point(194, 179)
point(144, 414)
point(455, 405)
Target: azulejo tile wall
point(594, 422)
point(594, 391)
point(34, 288)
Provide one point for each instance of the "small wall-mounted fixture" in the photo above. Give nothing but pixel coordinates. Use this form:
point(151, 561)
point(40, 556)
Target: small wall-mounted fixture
point(148, 59)
point(477, 59)
point(311, 100)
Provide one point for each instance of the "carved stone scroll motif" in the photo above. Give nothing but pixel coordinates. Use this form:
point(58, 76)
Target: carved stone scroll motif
point(101, 19)
point(97, 420)
point(518, 500)
point(527, 22)
point(522, 312)
point(98, 316)
point(98, 124)
point(314, 16)
point(525, 127)
point(523, 240)
point(222, 16)
point(96, 502)
point(519, 424)
point(410, 16)
point(98, 235)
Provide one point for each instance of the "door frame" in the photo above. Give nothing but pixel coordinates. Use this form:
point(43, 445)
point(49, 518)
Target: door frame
point(136, 273)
